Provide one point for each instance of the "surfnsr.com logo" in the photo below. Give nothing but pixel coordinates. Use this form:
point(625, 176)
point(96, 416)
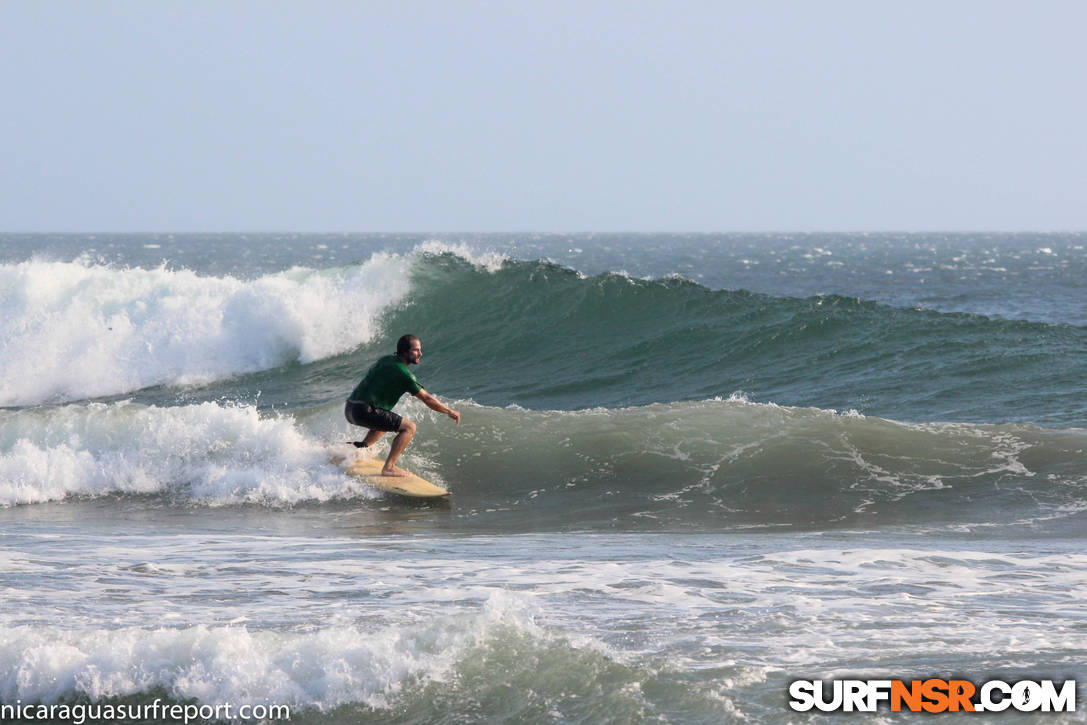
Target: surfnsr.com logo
point(933, 695)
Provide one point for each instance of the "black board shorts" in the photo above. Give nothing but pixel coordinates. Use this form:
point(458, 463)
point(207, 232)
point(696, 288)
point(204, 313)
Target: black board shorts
point(366, 415)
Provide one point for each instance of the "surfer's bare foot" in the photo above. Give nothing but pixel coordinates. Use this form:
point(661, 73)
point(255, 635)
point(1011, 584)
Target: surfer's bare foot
point(394, 472)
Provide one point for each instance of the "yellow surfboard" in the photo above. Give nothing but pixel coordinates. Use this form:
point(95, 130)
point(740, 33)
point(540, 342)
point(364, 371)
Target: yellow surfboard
point(369, 470)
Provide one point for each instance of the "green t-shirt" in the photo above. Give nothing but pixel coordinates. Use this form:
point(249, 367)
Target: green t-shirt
point(385, 382)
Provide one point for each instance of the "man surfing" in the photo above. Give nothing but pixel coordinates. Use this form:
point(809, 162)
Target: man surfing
point(370, 404)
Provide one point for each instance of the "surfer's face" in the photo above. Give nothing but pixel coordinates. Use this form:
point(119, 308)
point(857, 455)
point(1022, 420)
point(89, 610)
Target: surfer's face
point(415, 354)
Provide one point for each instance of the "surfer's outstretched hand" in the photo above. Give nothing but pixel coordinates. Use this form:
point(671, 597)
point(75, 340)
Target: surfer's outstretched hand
point(438, 406)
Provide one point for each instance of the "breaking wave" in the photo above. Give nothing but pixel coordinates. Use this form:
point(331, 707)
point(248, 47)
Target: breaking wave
point(705, 465)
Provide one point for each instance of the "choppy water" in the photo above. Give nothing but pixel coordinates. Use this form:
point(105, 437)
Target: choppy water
point(691, 469)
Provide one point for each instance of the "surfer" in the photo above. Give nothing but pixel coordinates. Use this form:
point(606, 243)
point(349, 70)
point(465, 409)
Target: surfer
point(370, 404)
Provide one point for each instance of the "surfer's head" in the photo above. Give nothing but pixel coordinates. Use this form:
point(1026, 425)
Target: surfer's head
point(409, 349)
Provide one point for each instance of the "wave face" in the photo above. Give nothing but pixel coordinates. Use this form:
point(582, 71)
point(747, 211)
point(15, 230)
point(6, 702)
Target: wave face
point(540, 335)
point(706, 466)
point(719, 465)
point(601, 401)
point(501, 332)
point(76, 330)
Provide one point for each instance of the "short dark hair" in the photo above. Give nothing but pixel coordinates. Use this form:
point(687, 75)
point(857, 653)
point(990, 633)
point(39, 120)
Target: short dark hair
point(403, 345)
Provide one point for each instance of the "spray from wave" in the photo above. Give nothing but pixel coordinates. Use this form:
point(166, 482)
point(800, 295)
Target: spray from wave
point(75, 330)
point(210, 453)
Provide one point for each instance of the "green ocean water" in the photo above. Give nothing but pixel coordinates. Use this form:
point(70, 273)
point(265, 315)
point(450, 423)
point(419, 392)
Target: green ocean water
point(691, 468)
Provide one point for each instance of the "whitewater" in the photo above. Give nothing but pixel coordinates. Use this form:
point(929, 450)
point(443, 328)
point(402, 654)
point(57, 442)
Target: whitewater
point(691, 469)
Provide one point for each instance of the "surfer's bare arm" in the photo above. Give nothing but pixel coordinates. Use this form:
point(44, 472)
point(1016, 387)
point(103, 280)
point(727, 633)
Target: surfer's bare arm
point(434, 404)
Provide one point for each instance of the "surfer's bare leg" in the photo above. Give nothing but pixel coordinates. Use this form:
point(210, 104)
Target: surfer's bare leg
point(372, 437)
point(403, 438)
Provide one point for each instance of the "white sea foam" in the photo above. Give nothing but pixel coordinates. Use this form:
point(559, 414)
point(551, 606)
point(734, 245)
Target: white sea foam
point(337, 664)
point(73, 330)
point(212, 453)
point(745, 611)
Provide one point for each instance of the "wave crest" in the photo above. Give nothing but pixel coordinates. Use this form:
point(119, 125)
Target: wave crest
point(212, 453)
point(75, 330)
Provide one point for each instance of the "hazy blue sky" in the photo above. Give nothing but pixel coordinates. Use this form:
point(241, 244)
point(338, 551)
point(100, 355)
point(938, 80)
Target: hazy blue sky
point(542, 115)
